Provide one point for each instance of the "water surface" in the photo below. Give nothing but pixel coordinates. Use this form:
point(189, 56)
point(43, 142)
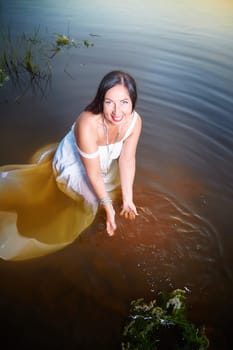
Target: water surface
point(180, 53)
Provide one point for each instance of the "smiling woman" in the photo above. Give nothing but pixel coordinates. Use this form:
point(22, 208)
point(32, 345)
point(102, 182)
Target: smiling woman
point(104, 136)
point(45, 205)
point(181, 53)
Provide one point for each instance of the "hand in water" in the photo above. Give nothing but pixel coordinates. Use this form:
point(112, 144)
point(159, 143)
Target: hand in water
point(110, 221)
point(129, 211)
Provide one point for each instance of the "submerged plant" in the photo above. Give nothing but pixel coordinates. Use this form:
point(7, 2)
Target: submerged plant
point(31, 67)
point(87, 43)
point(3, 77)
point(27, 59)
point(64, 40)
point(163, 326)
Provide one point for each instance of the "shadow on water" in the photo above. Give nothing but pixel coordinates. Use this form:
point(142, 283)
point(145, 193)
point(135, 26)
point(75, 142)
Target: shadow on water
point(79, 297)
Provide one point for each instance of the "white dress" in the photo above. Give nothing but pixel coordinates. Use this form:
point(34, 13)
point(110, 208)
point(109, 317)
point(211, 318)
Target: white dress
point(38, 213)
point(70, 173)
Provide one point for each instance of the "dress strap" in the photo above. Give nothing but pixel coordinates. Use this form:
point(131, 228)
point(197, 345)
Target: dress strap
point(131, 126)
point(88, 155)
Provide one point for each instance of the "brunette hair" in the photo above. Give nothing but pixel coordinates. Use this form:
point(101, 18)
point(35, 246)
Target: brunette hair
point(110, 80)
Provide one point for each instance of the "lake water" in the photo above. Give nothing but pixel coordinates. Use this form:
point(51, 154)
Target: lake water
point(180, 53)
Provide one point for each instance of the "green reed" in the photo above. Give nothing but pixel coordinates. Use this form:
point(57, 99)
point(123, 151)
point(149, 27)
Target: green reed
point(3, 77)
point(26, 59)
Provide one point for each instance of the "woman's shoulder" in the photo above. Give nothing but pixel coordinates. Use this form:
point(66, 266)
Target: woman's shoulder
point(138, 121)
point(87, 124)
point(87, 119)
point(136, 115)
point(135, 125)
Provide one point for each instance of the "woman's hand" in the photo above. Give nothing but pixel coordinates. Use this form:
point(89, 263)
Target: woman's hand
point(129, 211)
point(110, 220)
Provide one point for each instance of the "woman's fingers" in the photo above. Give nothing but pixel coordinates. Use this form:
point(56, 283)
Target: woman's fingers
point(110, 232)
point(122, 212)
point(131, 215)
point(128, 214)
point(110, 229)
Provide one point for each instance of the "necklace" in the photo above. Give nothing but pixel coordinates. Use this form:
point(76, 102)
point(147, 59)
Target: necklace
point(107, 136)
point(110, 152)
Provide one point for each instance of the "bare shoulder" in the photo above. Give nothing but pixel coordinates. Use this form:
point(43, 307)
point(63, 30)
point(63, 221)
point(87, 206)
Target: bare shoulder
point(139, 118)
point(86, 131)
point(85, 122)
point(85, 119)
point(138, 123)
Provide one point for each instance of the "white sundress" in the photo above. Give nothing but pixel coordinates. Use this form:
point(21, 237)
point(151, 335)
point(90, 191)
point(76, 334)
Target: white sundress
point(38, 215)
point(70, 173)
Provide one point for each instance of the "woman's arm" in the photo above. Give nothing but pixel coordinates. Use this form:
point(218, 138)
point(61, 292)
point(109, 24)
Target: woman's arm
point(127, 166)
point(86, 132)
point(93, 171)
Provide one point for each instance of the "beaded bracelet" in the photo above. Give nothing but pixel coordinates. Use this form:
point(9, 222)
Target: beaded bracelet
point(105, 201)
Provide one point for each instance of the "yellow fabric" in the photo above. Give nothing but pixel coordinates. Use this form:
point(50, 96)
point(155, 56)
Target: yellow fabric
point(36, 218)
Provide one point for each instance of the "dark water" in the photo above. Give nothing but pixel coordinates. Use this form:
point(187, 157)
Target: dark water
point(181, 56)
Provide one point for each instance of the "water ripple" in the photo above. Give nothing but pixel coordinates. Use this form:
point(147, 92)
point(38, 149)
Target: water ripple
point(174, 243)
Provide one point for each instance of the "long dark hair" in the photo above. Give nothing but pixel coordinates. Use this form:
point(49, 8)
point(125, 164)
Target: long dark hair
point(110, 80)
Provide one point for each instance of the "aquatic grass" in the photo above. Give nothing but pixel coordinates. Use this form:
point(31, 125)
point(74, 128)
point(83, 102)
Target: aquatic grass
point(3, 77)
point(34, 38)
point(163, 325)
point(26, 59)
point(87, 43)
point(28, 64)
point(64, 40)
point(18, 55)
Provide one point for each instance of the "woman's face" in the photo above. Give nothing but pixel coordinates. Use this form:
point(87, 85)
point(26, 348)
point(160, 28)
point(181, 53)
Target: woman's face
point(117, 104)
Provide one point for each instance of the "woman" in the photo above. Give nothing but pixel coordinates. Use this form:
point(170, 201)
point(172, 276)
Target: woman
point(45, 205)
point(104, 136)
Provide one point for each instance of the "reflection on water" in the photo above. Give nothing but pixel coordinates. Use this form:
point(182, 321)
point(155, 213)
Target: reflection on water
point(181, 56)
